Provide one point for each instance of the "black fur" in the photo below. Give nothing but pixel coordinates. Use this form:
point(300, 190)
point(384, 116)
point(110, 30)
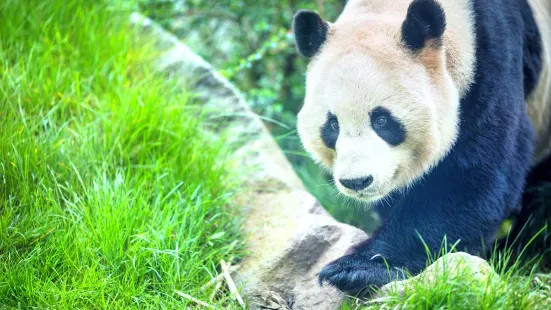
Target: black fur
point(466, 197)
point(310, 32)
point(525, 237)
point(425, 21)
point(329, 134)
point(393, 131)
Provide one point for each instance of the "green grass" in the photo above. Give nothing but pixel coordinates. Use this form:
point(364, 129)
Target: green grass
point(464, 293)
point(110, 194)
point(515, 285)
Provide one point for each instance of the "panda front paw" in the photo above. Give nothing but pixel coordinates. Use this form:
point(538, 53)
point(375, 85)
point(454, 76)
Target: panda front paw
point(357, 274)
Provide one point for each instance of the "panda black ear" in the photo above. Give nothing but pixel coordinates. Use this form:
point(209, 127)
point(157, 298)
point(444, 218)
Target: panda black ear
point(310, 32)
point(425, 21)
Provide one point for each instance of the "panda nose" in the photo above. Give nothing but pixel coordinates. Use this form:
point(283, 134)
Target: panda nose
point(357, 184)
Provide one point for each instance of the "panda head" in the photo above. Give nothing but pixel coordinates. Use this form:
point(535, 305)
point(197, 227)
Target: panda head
point(380, 107)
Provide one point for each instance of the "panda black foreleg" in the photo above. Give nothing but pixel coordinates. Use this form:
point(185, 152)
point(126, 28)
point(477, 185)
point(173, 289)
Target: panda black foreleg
point(374, 263)
point(356, 274)
point(417, 229)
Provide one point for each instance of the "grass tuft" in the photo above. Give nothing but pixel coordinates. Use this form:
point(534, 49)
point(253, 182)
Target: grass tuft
point(110, 194)
point(515, 285)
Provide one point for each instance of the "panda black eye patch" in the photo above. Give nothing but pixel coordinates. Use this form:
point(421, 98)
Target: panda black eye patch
point(330, 131)
point(387, 126)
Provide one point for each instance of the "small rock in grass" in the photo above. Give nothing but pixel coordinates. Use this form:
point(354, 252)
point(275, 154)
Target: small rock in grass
point(451, 267)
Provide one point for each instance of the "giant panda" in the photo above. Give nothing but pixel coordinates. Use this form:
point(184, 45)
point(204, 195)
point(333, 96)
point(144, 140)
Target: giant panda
point(434, 110)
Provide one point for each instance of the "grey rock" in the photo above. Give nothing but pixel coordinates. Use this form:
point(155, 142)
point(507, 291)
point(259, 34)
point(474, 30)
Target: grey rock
point(290, 237)
point(454, 266)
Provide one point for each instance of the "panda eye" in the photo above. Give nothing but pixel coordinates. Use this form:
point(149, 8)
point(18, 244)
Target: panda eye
point(330, 131)
point(387, 127)
point(380, 121)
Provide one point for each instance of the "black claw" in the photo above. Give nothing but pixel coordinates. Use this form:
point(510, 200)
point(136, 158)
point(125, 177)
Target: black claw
point(353, 274)
point(324, 275)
